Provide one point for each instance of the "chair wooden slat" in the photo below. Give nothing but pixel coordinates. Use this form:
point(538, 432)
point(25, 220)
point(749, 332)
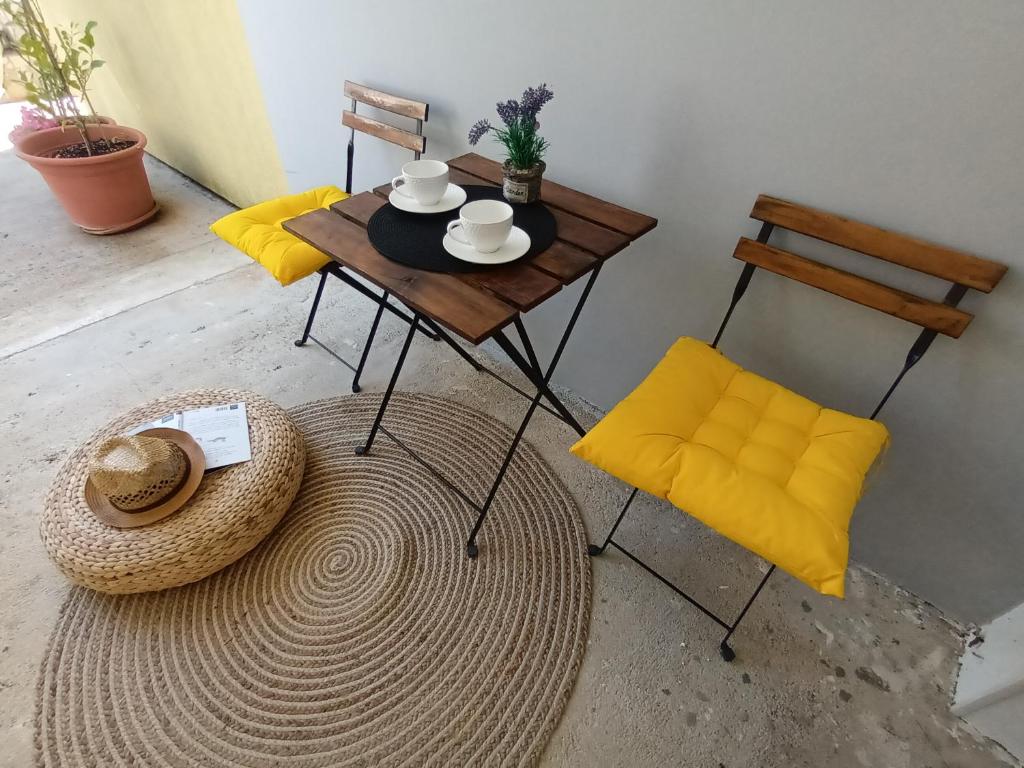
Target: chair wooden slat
point(398, 136)
point(473, 314)
point(928, 314)
point(386, 101)
point(556, 195)
point(932, 259)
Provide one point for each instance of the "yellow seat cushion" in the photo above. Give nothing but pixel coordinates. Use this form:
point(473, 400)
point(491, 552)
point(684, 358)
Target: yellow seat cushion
point(256, 231)
point(769, 469)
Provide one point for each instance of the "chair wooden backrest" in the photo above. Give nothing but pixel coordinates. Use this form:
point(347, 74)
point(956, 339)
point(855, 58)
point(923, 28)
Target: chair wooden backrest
point(398, 105)
point(963, 270)
point(936, 260)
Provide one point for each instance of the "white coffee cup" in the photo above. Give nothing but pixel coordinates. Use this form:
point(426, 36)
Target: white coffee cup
point(485, 224)
point(425, 180)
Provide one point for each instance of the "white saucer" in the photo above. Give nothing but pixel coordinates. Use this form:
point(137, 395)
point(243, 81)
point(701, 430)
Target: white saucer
point(517, 245)
point(452, 198)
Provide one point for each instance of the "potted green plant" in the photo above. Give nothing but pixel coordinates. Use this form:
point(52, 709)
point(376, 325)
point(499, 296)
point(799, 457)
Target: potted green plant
point(93, 167)
point(524, 163)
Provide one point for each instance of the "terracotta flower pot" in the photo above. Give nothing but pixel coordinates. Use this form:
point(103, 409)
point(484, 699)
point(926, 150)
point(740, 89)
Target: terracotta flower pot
point(103, 194)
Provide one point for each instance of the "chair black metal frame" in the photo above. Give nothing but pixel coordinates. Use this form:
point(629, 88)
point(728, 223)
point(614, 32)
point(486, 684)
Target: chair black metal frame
point(900, 249)
point(419, 112)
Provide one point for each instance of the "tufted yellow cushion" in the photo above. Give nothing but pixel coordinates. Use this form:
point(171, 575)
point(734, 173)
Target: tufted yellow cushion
point(256, 231)
point(765, 467)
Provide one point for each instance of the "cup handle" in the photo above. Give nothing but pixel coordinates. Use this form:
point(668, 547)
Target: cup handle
point(451, 226)
point(397, 183)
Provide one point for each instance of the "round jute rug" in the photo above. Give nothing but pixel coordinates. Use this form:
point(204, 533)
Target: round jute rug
point(357, 633)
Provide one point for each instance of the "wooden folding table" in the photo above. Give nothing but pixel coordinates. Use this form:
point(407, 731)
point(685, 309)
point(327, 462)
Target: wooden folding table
point(481, 305)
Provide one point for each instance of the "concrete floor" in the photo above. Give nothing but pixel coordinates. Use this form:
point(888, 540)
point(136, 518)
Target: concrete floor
point(90, 326)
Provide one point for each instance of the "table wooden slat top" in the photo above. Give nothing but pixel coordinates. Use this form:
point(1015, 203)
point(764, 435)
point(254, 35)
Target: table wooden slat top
point(469, 312)
point(594, 243)
point(522, 288)
point(475, 305)
point(555, 195)
point(600, 241)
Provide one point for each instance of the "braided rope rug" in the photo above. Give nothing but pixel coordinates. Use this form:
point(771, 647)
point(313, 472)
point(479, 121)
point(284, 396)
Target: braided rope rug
point(357, 633)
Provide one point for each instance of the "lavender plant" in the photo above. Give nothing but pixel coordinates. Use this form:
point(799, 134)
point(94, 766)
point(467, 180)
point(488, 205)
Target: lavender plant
point(518, 133)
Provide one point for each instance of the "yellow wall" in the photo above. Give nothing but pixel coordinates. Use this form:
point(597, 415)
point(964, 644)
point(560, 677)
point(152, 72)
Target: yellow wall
point(181, 72)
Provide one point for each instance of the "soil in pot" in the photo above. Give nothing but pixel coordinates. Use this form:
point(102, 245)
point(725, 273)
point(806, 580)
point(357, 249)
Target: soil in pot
point(99, 147)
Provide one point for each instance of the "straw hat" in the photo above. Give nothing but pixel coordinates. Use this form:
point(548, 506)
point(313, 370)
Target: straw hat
point(139, 479)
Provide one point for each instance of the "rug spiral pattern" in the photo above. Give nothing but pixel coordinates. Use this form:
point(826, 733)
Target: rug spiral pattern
point(358, 633)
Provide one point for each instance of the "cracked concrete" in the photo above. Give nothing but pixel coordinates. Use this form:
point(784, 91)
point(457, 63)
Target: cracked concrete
point(92, 326)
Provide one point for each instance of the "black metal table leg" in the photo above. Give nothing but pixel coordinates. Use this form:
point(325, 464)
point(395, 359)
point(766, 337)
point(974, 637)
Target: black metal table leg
point(471, 546)
point(359, 287)
point(530, 367)
point(446, 337)
point(312, 310)
point(382, 303)
point(365, 448)
point(443, 336)
point(532, 370)
point(535, 364)
point(369, 341)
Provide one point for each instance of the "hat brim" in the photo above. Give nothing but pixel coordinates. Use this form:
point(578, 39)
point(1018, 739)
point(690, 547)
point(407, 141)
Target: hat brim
point(119, 518)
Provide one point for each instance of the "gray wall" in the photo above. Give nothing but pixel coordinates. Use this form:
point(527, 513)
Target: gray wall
point(906, 114)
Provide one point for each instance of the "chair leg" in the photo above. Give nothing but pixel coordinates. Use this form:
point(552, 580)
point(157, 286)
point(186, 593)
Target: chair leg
point(312, 310)
point(595, 550)
point(369, 341)
point(724, 648)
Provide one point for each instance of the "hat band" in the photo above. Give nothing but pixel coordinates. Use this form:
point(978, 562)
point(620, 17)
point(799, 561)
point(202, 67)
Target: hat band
point(163, 499)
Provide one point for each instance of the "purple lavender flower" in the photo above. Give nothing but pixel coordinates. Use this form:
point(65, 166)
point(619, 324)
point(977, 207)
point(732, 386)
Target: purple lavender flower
point(534, 100)
point(508, 111)
point(518, 129)
point(480, 127)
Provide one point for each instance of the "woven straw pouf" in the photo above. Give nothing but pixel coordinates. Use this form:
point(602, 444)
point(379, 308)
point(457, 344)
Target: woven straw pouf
point(233, 510)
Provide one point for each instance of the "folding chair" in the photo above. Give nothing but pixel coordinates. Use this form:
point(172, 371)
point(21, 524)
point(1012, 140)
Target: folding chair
point(763, 466)
point(257, 230)
point(411, 140)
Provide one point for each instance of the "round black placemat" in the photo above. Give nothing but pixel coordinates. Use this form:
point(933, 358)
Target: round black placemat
point(414, 239)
